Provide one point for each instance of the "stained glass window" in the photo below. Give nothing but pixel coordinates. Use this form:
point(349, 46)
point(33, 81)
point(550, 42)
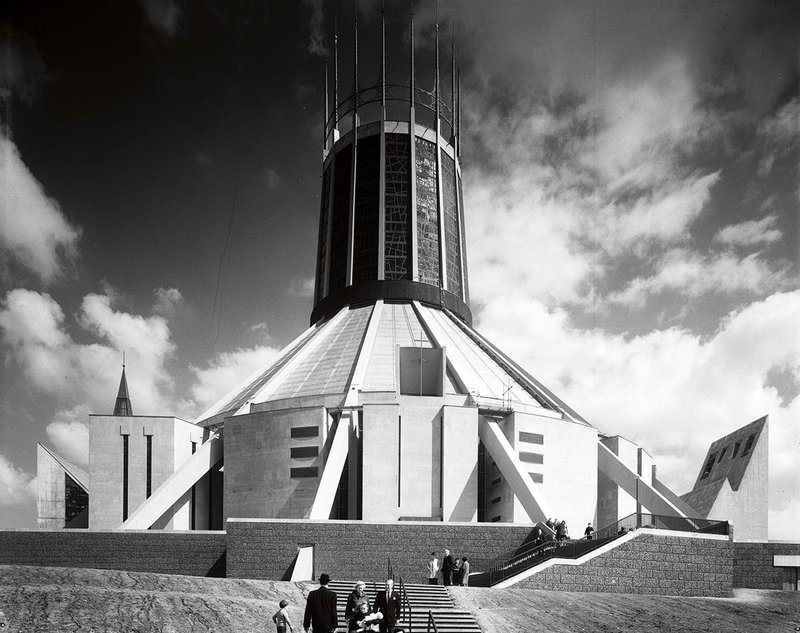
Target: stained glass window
point(398, 218)
point(427, 213)
point(451, 232)
point(322, 252)
point(365, 232)
point(340, 218)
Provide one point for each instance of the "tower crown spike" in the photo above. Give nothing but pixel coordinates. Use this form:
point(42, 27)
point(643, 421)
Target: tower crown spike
point(123, 406)
point(391, 217)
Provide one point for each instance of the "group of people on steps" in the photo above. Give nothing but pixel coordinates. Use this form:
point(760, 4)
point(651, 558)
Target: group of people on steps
point(454, 571)
point(321, 617)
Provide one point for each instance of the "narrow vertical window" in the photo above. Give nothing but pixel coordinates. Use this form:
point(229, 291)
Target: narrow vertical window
point(149, 481)
point(192, 502)
point(399, 456)
point(124, 477)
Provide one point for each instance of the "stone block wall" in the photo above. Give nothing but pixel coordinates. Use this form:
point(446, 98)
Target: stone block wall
point(752, 564)
point(649, 563)
point(349, 550)
point(184, 553)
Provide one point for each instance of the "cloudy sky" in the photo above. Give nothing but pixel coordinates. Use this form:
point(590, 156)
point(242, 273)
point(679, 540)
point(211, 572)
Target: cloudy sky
point(632, 193)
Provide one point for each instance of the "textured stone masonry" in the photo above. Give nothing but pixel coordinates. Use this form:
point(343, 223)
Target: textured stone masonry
point(352, 549)
point(184, 553)
point(648, 564)
point(753, 568)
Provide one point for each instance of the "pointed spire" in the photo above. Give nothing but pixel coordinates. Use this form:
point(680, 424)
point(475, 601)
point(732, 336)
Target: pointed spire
point(123, 403)
point(355, 69)
point(437, 64)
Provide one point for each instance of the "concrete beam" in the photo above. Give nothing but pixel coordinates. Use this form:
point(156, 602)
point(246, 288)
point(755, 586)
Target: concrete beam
point(179, 483)
point(616, 470)
point(511, 468)
point(332, 473)
point(679, 503)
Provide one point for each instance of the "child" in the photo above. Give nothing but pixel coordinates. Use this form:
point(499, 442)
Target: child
point(281, 618)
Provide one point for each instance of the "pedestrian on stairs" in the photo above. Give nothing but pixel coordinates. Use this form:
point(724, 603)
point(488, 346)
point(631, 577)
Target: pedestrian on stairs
point(387, 603)
point(465, 572)
point(447, 568)
point(433, 570)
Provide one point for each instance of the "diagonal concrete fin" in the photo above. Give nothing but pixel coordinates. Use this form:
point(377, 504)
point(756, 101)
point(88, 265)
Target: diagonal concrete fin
point(332, 473)
point(167, 494)
point(516, 476)
point(616, 470)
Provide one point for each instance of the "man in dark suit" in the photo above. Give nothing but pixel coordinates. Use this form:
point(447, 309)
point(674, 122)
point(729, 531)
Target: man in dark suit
point(388, 604)
point(447, 568)
point(321, 608)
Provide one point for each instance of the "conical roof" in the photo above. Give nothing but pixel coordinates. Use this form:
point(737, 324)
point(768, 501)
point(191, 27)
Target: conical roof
point(123, 404)
point(352, 358)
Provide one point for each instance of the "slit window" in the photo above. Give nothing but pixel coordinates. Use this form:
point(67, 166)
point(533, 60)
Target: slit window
point(300, 473)
point(709, 466)
point(531, 458)
point(749, 446)
point(496, 500)
point(736, 448)
point(538, 478)
point(722, 453)
point(300, 452)
point(531, 438)
point(496, 481)
point(305, 431)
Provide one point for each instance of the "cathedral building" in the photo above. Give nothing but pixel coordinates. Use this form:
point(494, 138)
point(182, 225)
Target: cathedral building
point(391, 406)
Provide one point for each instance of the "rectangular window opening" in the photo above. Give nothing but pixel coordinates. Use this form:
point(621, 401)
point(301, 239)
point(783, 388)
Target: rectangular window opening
point(538, 478)
point(531, 438)
point(531, 458)
point(709, 466)
point(304, 431)
point(301, 452)
point(299, 473)
point(149, 474)
point(496, 500)
point(125, 477)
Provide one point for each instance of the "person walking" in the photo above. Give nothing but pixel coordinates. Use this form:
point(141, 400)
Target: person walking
point(321, 608)
point(433, 570)
point(281, 618)
point(447, 568)
point(356, 598)
point(387, 603)
point(465, 572)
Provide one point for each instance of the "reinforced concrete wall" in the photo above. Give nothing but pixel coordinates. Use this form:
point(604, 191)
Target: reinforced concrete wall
point(184, 553)
point(266, 549)
point(648, 563)
point(753, 564)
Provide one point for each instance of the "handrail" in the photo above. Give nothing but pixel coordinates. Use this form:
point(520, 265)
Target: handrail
point(534, 553)
point(431, 622)
point(405, 603)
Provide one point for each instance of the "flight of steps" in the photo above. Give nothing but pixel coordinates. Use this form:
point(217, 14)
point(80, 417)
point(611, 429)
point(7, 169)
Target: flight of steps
point(422, 598)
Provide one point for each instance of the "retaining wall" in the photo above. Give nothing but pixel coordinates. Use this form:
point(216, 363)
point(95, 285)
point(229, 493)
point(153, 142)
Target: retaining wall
point(185, 553)
point(266, 548)
point(650, 562)
point(752, 564)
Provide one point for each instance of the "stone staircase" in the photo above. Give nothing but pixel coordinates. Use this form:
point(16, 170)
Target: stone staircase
point(423, 599)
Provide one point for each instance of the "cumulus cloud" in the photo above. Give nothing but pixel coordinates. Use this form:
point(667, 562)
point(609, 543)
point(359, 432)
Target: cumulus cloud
point(167, 301)
point(226, 371)
point(750, 233)
point(34, 232)
point(672, 391)
point(691, 275)
point(35, 333)
point(69, 434)
point(16, 486)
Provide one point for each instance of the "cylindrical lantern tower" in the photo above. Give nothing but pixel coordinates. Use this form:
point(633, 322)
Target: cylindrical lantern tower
point(391, 218)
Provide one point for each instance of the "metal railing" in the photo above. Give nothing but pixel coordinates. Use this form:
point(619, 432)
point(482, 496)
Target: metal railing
point(533, 553)
point(431, 623)
point(405, 603)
